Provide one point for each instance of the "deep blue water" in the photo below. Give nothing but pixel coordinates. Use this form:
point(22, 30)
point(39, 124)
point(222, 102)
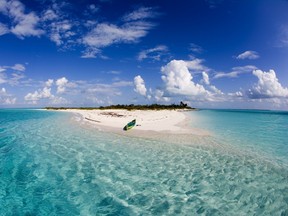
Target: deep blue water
point(51, 165)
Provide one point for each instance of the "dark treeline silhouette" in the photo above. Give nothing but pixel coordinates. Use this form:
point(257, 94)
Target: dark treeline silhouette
point(130, 107)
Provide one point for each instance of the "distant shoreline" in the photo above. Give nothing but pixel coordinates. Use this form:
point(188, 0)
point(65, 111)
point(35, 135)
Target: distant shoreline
point(181, 106)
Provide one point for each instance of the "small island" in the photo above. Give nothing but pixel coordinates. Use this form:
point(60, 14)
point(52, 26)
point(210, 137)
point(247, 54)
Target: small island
point(150, 119)
point(181, 106)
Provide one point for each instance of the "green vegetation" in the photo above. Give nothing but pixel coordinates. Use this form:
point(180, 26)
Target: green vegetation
point(130, 107)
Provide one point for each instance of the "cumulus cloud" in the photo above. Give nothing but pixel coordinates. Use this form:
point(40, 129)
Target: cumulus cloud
point(248, 55)
point(178, 79)
point(267, 86)
point(153, 53)
point(61, 85)
point(236, 71)
point(140, 87)
point(39, 94)
point(49, 82)
point(159, 96)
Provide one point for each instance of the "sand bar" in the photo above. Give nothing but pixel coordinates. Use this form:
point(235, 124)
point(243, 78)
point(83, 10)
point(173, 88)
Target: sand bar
point(149, 123)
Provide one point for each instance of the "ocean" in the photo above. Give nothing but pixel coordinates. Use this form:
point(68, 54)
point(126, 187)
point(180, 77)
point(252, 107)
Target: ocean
point(52, 163)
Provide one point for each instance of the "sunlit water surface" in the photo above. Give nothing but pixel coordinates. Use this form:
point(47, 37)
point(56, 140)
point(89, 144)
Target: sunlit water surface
point(51, 165)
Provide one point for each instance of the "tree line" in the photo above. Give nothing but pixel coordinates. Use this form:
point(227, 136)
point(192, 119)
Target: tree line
point(173, 106)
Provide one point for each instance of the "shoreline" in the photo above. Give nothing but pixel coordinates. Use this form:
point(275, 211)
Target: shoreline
point(154, 124)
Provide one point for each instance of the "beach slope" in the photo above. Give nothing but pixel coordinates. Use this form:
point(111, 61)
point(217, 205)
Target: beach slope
point(157, 121)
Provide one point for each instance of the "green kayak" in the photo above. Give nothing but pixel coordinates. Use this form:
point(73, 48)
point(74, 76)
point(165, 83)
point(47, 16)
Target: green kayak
point(130, 125)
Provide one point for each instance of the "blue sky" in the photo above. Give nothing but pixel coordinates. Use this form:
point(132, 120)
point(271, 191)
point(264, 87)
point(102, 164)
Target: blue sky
point(208, 53)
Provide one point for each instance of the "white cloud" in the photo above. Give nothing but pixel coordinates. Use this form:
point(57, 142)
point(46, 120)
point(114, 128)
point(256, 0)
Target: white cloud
point(178, 79)
point(60, 30)
point(6, 98)
point(67, 31)
point(39, 94)
point(236, 94)
point(236, 71)
point(140, 14)
point(122, 84)
point(59, 100)
point(18, 67)
point(102, 89)
point(93, 9)
point(159, 96)
point(107, 34)
point(3, 78)
point(61, 85)
point(140, 87)
point(9, 101)
point(25, 24)
point(153, 53)
point(14, 77)
point(49, 82)
point(267, 86)
point(49, 15)
point(248, 55)
point(3, 29)
point(205, 78)
point(14, 80)
point(195, 48)
point(90, 52)
point(216, 90)
point(283, 37)
point(3, 91)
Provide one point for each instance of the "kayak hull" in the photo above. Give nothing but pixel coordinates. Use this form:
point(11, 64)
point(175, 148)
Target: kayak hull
point(129, 125)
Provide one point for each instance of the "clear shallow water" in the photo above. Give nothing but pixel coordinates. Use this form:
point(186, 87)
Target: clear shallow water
point(262, 132)
point(49, 166)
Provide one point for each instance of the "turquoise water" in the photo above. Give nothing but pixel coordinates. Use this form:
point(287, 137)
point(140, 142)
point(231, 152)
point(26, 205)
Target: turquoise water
point(257, 131)
point(52, 166)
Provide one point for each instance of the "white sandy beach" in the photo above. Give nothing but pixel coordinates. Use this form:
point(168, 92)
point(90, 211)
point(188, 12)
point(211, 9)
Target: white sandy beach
point(170, 122)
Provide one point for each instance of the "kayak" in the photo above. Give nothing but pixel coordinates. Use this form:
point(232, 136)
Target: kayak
point(130, 125)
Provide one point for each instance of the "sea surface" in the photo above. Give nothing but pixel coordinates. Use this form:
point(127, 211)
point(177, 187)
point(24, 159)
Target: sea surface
point(52, 163)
